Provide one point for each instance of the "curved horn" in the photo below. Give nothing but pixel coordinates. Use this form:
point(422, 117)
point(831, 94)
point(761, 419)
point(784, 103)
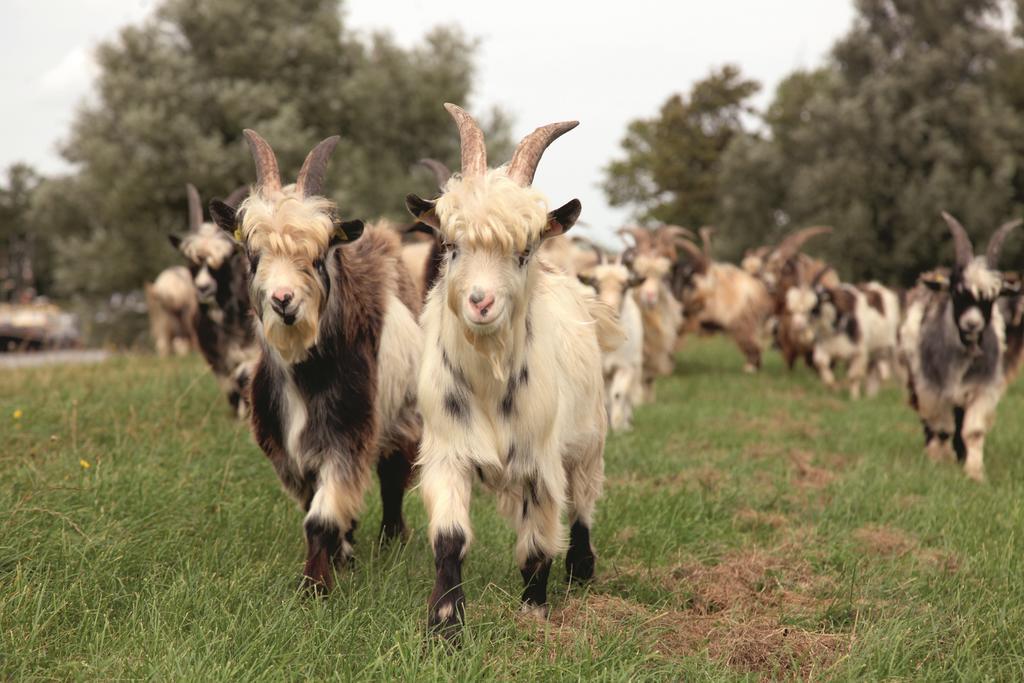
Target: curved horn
point(268, 177)
point(314, 168)
point(995, 243)
point(962, 243)
point(591, 245)
point(705, 239)
point(530, 149)
point(236, 197)
point(441, 172)
point(793, 242)
point(816, 280)
point(641, 236)
point(695, 252)
point(471, 139)
point(195, 207)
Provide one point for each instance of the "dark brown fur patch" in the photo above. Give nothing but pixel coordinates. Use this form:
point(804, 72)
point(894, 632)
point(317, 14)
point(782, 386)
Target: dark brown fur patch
point(874, 298)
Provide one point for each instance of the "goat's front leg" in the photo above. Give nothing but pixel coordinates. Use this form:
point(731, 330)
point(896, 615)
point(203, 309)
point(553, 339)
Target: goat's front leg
point(856, 373)
point(822, 361)
point(446, 488)
point(394, 471)
point(539, 528)
point(977, 419)
point(330, 524)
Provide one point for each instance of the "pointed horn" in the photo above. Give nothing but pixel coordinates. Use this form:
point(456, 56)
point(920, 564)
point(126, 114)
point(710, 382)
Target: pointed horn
point(529, 151)
point(820, 275)
point(641, 236)
point(471, 139)
point(695, 252)
point(587, 243)
point(195, 207)
point(793, 242)
point(705, 239)
point(441, 172)
point(314, 168)
point(237, 197)
point(268, 177)
point(995, 243)
point(962, 243)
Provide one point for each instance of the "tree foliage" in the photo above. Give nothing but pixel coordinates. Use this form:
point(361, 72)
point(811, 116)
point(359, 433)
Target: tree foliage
point(917, 110)
point(174, 94)
point(671, 166)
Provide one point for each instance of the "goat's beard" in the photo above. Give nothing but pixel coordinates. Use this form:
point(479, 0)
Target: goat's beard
point(292, 342)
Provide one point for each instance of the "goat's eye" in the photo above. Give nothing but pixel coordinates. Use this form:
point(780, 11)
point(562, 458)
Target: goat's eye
point(453, 251)
point(254, 262)
point(524, 257)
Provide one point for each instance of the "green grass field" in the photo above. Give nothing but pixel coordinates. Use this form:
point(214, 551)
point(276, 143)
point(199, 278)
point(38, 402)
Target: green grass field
point(752, 527)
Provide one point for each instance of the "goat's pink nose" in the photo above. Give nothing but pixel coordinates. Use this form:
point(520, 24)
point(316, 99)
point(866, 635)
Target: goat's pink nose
point(283, 295)
point(481, 300)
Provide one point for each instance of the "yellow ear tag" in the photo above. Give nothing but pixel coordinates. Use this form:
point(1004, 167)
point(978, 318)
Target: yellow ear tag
point(238, 234)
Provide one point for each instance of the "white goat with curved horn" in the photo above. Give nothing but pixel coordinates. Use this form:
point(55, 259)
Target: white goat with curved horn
point(510, 385)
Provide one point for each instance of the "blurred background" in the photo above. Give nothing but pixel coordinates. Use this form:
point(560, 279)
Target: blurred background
point(868, 115)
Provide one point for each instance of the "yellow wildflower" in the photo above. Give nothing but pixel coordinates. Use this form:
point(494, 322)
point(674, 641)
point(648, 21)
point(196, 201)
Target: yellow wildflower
point(17, 414)
point(84, 463)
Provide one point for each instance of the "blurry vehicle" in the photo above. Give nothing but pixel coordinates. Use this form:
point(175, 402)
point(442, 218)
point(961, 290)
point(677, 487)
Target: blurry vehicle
point(38, 325)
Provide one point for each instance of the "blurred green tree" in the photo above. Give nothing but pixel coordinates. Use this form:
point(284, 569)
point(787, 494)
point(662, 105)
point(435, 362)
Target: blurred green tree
point(910, 116)
point(23, 262)
point(670, 171)
point(174, 94)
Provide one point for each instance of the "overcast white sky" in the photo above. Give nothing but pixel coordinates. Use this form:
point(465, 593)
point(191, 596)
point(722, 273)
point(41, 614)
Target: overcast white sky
point(543, 60)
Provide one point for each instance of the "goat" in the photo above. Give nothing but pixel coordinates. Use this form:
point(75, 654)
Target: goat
point(171, 301)
point(511, 385)
point(623, 367)
point(786, 272)
point(721, 296)
point(651, 259)
point(223, 318)
point(333, 393)
point(856, 325)
point(423, 259)
point(953, 344)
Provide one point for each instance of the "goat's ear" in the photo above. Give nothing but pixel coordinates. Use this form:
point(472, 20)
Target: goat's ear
point(422, 210)
point(1010, 288)
point(420, 227)
point(562, 219)
point(587, 280)
point(937, 282)
point(224, 215)
point(346, 231)
point(634, 281)
point(174, 240)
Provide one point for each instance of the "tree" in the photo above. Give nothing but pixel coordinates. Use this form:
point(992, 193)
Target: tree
point(670, 172)
point(907, 119)
point(21, 262)
point(174, 94)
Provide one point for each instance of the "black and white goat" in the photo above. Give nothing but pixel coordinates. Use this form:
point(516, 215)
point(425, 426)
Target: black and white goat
point(223, 320)
point(853, 325)
point(511, 385)
point(952, 342)
point(333, 394)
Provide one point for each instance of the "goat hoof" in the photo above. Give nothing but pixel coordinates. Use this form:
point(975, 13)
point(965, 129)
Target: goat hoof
point(975, 474)
point(445, 620)
point(534, 611)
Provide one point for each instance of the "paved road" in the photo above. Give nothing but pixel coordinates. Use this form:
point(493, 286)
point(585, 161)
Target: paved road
point(36, 358)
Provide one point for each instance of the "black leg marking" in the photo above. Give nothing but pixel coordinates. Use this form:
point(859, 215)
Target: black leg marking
point(535, 581)
point(579, 559)
point(447, 606)
point(958, 436)
point(323, 552)
point(929, 434)
point(393, 472)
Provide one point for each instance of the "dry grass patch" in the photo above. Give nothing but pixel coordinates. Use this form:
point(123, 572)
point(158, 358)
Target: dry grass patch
point(748, 518)
point(740, 611)
point(889, 542)
point(807, 475)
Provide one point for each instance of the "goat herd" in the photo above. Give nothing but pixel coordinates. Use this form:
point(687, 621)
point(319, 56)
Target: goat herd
point(490, 347)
